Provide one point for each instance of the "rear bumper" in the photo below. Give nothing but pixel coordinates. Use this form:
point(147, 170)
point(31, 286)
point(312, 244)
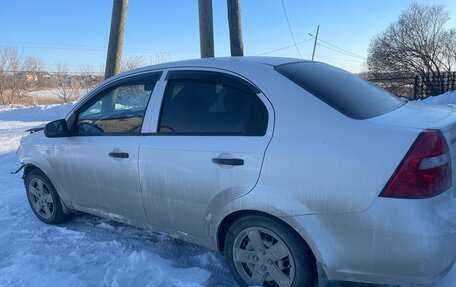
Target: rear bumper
point(396, 241)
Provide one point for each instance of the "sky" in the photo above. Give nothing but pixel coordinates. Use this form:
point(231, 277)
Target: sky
point(76, 32)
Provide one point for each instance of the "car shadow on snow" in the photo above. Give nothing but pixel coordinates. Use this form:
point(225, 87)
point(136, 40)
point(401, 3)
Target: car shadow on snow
point(131, 239)
point(182, 254)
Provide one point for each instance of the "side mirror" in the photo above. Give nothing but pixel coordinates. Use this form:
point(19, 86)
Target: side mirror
point(56, 129)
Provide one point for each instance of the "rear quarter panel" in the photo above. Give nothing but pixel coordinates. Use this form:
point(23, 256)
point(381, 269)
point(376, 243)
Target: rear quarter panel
point(319, 160)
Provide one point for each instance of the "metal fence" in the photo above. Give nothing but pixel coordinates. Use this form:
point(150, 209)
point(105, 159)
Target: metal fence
point(401, 85)
point(433, 84)
point(416, 86)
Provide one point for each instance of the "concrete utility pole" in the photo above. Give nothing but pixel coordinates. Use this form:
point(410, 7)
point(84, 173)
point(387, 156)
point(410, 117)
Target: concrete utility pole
point(235, 24)
point(206, 28)
point(315, 42)
point(118, 18)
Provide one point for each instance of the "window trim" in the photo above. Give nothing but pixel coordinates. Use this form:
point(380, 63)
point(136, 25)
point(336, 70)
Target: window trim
point(146, 78)
point(211, 76)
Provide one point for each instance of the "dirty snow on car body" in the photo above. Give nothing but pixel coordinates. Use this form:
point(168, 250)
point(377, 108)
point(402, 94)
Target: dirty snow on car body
point(88, 250)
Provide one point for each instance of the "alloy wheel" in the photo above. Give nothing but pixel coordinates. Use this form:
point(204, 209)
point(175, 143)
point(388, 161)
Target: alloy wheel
point(41, 198)
point(262, 258)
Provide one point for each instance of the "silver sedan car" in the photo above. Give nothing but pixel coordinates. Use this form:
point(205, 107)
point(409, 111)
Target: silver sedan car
point(291, 168)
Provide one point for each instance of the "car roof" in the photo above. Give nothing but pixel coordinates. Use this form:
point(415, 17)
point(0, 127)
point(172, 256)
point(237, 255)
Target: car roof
point(218, 62)
point(272, 61)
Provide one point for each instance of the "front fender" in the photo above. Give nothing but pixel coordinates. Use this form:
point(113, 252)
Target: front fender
point(37, 151)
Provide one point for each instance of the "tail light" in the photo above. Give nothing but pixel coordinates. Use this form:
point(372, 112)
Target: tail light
point(425, 170)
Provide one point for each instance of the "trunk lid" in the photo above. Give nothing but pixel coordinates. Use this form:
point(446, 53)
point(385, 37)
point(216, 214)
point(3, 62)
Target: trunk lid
point(422, 116)
point(419, 116)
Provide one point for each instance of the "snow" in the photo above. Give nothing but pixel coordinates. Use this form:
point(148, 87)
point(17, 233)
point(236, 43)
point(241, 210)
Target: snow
point(87, 250)
point(91, 251)
point(53, 93)
point(446, 98)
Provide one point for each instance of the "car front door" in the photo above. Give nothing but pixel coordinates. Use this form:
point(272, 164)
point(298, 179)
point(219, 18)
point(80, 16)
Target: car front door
point(98, 162)
point(211, 135)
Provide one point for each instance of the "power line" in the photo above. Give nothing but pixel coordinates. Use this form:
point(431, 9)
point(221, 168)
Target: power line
point(286, 47)
point(338, 51)
point(339, 59)
point(336, 63)
point(31, 45)
point(289, 28)
point(343, 51)
point(52, 72)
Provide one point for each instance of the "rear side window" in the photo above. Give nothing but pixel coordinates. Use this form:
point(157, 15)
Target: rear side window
point(196, 106)
point(343, 91)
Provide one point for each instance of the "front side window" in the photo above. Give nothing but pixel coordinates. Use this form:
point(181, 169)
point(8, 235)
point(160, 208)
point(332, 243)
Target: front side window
point(211, 107)
point(118, 110)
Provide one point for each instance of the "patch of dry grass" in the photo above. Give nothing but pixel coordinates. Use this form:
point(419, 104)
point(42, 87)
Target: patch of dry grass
point(46, 100)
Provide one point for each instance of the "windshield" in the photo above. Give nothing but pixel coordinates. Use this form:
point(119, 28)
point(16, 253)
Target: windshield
point(343, 91)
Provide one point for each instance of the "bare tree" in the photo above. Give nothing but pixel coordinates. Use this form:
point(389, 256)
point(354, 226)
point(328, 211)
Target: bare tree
point(160, 57)
point(89, 77)
point(33, 68)
point(17, 84)
point(3, 77)
point(449, 50)
point(138, 61)
point(133, 62)
point(33, 64)
point(417, 42)
point(67, 88)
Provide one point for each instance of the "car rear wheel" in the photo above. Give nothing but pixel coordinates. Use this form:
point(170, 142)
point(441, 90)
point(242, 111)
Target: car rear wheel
point(43, 198)
point(262, 251)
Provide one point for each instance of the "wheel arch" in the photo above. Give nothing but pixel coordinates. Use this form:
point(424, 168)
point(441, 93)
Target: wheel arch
point(29, 167)
point(231, 218)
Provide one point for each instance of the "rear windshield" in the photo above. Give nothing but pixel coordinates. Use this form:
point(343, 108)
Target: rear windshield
point(343, 91)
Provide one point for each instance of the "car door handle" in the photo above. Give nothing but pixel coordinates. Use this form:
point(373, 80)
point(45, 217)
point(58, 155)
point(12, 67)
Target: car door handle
point(228, 161)
point(118, 154)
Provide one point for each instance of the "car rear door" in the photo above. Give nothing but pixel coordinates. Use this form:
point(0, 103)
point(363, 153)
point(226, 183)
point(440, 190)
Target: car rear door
point(207, 147)
point(98, 163)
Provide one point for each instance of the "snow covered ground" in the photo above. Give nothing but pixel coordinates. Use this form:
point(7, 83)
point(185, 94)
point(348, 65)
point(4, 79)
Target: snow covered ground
point(90, 251)
point(86, 251)
point(53, 93)
point(446, 98)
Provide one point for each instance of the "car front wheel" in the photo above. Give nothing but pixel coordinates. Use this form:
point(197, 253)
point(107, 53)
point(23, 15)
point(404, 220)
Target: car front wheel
point(262, 251)
point(43, 198)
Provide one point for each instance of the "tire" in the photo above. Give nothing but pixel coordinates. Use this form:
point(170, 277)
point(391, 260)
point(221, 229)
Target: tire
point(262, 251)
point(43, 198)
